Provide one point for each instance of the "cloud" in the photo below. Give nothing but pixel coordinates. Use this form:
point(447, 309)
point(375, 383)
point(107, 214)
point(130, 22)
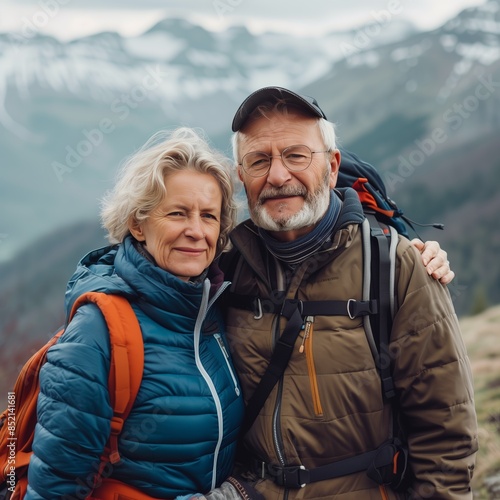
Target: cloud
point(75, 18)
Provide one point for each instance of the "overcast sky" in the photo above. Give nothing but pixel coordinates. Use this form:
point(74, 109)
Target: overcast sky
point(67, 19)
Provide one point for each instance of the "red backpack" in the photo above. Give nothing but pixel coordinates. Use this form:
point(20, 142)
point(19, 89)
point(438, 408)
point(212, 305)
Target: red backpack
point(125, 375)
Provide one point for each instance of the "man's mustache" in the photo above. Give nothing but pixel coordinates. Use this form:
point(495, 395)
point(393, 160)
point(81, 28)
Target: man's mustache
point(271, 193)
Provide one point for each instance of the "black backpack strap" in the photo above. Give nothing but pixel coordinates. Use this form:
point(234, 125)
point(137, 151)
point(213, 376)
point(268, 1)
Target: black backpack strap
point(381, 286)
point(352, 307)
point(387, 465)
point(279, 360)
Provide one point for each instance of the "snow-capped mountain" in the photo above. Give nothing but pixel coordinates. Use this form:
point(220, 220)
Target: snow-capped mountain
point(185, 62)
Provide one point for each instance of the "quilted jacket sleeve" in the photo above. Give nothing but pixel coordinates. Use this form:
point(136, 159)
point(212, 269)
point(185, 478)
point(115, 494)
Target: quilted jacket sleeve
point(433, 377)
point(73, 410)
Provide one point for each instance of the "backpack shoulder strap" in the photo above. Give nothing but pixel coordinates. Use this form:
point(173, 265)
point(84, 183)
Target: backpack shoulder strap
point(127, 358)
point(19, 427)
point(277, 364)
point(379, 257)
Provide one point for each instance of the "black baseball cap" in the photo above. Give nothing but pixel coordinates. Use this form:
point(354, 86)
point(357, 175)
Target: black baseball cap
point(262, 95)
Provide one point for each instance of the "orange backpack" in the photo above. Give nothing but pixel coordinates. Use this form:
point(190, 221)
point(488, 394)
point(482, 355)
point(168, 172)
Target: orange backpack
point(125, 375)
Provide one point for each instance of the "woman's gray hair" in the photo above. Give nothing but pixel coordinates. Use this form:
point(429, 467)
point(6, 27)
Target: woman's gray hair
point(140, 186)
point(326, 128)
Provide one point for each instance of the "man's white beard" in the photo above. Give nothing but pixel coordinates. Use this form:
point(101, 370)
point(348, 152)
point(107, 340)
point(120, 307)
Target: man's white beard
point(315, 206)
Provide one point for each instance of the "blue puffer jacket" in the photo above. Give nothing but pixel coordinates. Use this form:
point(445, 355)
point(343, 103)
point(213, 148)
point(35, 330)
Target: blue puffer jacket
point(181, 434)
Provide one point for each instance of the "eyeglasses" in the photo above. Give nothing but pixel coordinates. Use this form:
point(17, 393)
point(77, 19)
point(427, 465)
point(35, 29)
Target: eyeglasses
point(294, 158)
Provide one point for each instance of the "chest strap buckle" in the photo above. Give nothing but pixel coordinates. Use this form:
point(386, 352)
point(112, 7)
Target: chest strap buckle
point(294, 477)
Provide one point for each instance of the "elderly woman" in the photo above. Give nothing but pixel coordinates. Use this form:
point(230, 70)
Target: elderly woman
point(169, 214)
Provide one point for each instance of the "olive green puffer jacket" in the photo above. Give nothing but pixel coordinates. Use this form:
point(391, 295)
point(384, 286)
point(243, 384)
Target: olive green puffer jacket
point(328, 406)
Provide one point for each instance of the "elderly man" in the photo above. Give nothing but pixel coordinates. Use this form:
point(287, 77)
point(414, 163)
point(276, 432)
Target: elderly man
point(325, 420)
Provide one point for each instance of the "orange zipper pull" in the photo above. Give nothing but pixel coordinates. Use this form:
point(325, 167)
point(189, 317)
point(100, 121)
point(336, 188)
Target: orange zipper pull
point(307, 331)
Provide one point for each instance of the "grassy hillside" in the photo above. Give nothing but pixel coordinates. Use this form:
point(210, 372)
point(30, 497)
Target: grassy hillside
point(481, 337)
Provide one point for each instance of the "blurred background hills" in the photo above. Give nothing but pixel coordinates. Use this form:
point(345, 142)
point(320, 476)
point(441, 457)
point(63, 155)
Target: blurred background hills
point(423, 106)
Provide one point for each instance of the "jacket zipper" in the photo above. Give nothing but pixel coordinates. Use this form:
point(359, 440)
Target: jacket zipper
point(223, 349)
point(307, 345)
point(197, 336)
point(277, 438)
point(281, 284)
point(221, 342)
